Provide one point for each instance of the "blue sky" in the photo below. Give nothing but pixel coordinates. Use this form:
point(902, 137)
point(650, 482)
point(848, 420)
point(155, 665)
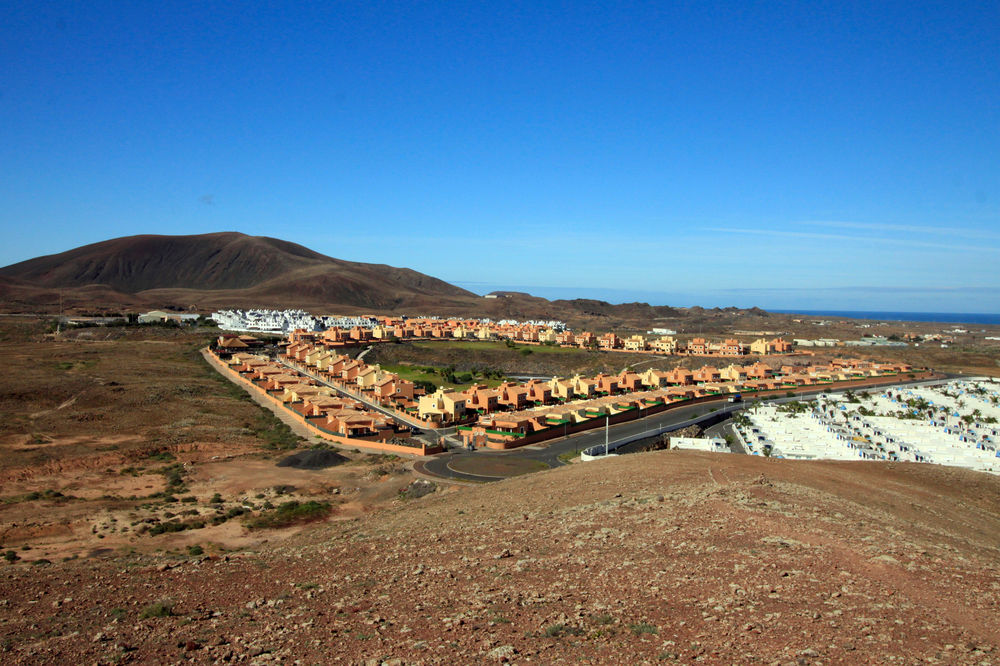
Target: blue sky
point(814, 155)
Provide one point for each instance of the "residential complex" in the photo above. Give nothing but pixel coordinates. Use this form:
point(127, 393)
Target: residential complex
point(332, 414)
point(514, 413)
point(368, 329)
point(955, 424)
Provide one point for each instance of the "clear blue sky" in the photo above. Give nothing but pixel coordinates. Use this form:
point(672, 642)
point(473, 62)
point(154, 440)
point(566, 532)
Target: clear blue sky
point(776, 154)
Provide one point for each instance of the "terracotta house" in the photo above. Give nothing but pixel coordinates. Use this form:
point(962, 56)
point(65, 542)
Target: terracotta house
point(655, 378)
point(707, 374)
point(538, 391)
point(609, 341)
point(483, 399)
point(606, 384)
point(513, 396)
point(680, 377)
point(586, 339)
point(629, 381)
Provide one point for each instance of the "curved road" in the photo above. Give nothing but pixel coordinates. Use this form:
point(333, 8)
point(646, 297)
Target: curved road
point(548, 452)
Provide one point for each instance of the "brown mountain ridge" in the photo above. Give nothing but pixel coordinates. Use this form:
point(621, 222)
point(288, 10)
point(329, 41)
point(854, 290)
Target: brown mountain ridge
point(220, 269)
point(230, 269)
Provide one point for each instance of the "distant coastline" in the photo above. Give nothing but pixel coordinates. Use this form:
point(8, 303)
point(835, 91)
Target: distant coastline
point(937, 317)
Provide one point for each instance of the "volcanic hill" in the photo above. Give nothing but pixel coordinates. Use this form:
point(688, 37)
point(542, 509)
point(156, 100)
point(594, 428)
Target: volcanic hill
point(220, 269)
point(230, 269)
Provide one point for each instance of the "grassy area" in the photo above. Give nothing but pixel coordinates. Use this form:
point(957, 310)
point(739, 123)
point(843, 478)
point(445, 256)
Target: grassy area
point(431, 375)
point(474, 345)
point(566, 456)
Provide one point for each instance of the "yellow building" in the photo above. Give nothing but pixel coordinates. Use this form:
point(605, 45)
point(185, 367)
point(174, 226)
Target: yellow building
point(441, 407)
point(548, 335)
point(636, 343)
point(664, 345)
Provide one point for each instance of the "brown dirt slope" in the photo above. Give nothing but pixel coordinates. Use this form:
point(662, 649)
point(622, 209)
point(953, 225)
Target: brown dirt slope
point(646, 558)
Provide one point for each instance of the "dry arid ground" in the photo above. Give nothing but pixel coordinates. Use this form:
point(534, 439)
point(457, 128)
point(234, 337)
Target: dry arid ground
point(646, 558)
point(107, 435)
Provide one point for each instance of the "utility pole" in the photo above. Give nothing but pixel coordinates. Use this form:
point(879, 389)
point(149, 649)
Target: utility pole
point(60, 317)
point(606, 422)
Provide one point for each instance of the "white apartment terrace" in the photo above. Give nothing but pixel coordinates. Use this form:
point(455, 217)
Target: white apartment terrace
point(954, 424)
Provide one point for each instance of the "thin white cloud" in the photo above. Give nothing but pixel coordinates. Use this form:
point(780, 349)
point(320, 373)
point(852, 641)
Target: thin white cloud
point(908, 228)
point(868, 240)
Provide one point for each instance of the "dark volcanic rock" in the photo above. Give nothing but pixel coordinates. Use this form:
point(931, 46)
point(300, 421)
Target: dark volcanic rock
point(314, 459)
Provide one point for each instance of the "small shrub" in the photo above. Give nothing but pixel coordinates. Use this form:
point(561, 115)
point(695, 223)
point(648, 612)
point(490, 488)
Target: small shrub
point(195, 550)
point(642, 628)
point(11, 556)
point(557, 630)
point(164, 456)
point(290, 513)
point(164, 608)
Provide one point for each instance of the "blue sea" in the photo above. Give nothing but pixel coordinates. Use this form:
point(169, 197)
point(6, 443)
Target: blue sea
point(942, 317)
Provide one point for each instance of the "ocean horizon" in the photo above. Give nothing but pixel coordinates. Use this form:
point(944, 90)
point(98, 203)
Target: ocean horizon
point(936, 317)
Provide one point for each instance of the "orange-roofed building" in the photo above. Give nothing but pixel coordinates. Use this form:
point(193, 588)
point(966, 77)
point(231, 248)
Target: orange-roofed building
point(480, 398)
point(731, 347)
point(513, 396)
point(629, 381)
point(539, 391)
point(680, 377)
point(565, 338)
point(698, 346)
point(609, 341)
point(706, 374)
point(606, 384)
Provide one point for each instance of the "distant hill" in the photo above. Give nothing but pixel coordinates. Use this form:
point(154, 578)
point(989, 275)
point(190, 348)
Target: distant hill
point(230, 269)
point(219, 269)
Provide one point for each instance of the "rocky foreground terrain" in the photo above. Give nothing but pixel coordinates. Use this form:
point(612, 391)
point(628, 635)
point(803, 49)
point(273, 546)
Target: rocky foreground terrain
point(646, 558)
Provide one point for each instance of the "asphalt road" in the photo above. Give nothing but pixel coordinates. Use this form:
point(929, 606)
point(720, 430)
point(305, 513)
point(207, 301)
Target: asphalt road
point(549, 452)
point(672, 419)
